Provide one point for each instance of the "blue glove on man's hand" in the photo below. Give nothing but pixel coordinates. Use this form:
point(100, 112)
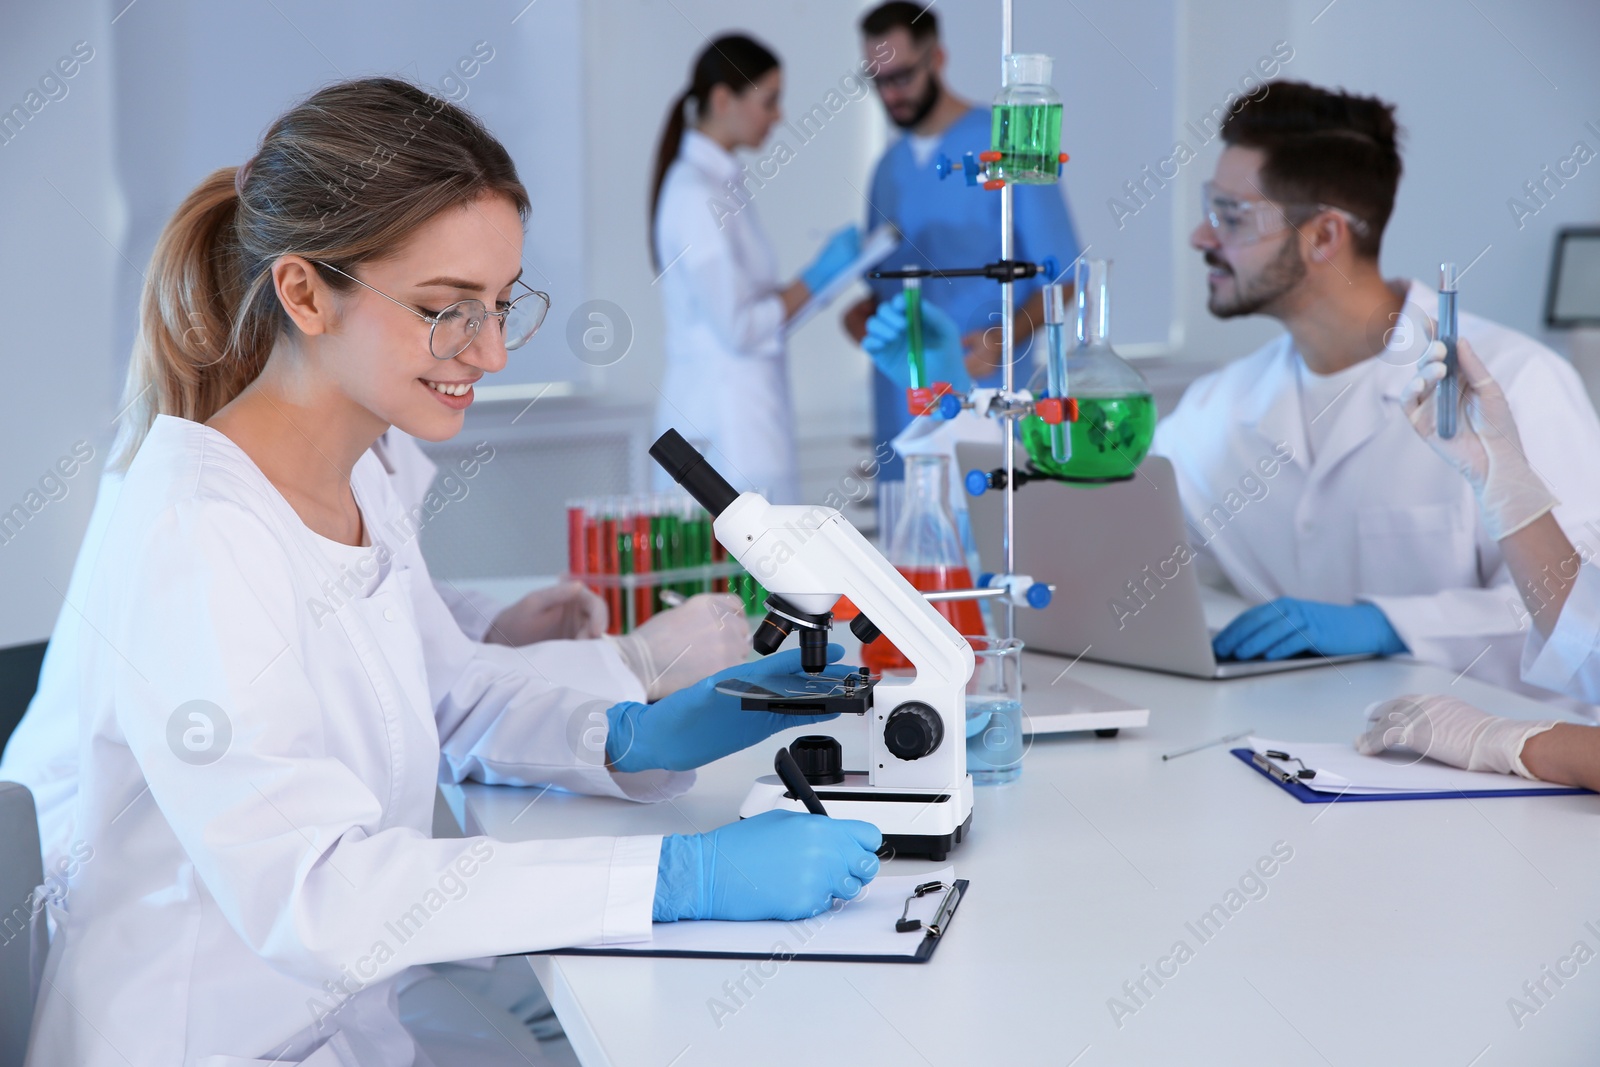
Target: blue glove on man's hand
point(776, 865)
point(1287, 627)
point(840, 251)
point(887, 342)
point(697, 724)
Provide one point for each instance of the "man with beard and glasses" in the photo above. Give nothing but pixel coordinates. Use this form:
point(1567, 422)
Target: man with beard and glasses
point(945, 223)
point(1299, 472)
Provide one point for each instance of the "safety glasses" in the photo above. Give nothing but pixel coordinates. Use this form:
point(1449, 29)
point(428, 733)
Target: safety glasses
point(1242, 222)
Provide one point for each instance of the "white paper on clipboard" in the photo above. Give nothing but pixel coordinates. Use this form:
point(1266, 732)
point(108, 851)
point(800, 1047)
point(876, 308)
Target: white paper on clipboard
point(879, 243)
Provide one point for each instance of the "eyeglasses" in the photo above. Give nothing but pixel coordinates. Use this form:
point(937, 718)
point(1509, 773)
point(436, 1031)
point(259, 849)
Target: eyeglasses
point(1243, 222)
point(452, 330)
point(902, 78)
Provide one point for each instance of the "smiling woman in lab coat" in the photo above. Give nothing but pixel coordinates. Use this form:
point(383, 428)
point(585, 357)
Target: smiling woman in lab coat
point(726, 387)
point(259, 743)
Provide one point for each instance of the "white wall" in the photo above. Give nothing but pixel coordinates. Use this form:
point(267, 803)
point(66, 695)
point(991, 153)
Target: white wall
point(59, 221)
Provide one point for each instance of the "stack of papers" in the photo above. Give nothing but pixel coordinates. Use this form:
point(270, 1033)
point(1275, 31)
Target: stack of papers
point(1341, 769)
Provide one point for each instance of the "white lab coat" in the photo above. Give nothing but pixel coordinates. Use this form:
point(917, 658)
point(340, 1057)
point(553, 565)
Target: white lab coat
point(1377, 516)
point(1569, 660)
point(262, 906)
point(411, 474)
point(726, 386)
point(42, 753)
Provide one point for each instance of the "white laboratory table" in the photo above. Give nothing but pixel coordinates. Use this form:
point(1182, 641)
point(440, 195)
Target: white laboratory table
point(1395, 933)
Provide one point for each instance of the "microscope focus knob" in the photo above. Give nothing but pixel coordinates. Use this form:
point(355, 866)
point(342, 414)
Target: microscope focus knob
point(819, 757)
point(914, 730)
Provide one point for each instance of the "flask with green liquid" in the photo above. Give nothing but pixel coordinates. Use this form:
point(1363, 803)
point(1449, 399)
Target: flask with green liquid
point(1116, 413)
point(1025, 123)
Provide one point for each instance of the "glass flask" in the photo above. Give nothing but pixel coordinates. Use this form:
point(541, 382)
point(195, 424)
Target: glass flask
point(1025, 123)
point(927, 550)
point(1116, 413)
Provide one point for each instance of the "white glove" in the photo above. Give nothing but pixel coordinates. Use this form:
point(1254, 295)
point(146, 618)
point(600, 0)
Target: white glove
point(1486, 448)
point(564, 611)
point(1450, 731)
point(680, 646)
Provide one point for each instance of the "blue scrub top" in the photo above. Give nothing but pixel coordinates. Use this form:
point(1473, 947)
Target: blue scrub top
point(951, 224)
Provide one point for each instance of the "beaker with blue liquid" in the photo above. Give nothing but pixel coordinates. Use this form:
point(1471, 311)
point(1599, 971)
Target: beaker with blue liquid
point(994, 711)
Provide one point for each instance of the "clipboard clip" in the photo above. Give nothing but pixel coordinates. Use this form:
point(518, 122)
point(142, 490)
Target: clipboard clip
point(947, 906)
point(1286, 775)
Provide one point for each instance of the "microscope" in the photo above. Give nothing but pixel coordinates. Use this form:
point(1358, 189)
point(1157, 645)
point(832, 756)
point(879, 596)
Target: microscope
point(915, 787)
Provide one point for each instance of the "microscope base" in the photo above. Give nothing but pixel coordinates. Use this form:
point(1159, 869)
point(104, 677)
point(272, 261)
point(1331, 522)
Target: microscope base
point(925, 822)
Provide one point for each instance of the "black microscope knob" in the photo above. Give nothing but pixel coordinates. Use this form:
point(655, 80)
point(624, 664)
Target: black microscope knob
point(820, 758)
point(913, 731)
point(864, 630)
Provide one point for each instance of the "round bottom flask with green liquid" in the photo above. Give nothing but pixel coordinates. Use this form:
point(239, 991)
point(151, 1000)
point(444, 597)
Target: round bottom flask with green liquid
point(1116, 411)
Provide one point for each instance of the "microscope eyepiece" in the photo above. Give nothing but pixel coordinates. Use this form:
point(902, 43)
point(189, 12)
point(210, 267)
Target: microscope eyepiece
point(689, 469)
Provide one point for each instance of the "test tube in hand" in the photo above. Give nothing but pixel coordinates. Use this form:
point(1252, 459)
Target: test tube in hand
point(1448, 400)
point(914, 353)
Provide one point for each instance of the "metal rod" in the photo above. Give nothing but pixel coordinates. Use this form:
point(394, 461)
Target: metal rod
point(936, 595)
point(1005, 36)
point(1008, 340)
point(1007, 349)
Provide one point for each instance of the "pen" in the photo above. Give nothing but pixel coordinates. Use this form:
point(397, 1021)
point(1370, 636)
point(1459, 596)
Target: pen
point(789, 773)
point(1208, 744)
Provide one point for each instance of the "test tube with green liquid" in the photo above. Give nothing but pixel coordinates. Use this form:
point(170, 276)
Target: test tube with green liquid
point(919, 366)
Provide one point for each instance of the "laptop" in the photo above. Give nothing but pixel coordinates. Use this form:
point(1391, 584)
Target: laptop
point(1114, 554)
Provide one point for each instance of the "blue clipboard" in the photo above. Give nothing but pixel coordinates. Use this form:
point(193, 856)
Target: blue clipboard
point(1307, 795)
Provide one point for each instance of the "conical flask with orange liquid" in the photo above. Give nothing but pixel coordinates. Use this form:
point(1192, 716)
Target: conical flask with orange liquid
point(925, 547)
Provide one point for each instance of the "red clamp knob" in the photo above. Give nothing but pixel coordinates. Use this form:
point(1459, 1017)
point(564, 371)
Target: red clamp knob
point(994, 184)
point(925, 401)
point(1063, 157)
point(1054, 411)
point(988, 157)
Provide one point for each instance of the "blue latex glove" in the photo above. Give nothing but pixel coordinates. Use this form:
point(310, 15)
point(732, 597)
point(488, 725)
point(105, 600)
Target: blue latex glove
point(887, 343)
point(840, 251)
point(697, 724)
point(776, 865)
point(1287, 627)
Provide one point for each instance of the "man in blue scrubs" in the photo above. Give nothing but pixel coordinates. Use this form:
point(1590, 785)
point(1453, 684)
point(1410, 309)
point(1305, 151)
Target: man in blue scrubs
point(947, 223)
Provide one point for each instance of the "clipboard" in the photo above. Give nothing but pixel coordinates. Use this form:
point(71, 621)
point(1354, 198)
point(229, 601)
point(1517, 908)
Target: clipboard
point(876, 927)
point(1306, 795)
point(875, 246)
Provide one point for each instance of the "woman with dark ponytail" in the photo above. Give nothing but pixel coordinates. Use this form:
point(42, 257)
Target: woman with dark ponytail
point(726, 386)
point(268, 684)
